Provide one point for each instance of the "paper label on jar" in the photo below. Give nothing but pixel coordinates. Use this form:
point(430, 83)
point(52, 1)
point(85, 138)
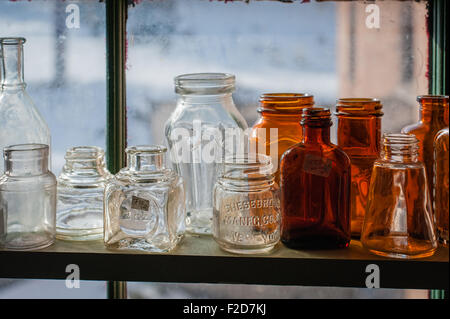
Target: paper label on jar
point(317, 165)
point(140, 203)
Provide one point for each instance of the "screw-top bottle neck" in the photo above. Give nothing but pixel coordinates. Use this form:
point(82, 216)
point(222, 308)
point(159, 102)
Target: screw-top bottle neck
point(84, 161)
point(146, 159)
point(359, 107)
point(316, 124)
point(26, 159)
point(11, 63)
point(433, 108)
point(284, 106)
point(400, 148)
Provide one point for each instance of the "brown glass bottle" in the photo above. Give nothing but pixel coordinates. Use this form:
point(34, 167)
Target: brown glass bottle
point(441, 145)
point(433, 118)
point(280, 114)
point(315, 187)
point(359, 136)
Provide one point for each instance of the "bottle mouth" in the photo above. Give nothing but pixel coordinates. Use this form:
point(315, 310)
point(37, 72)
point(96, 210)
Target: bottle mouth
point(84, 153)
point(285, 103)
point(25, 151)
point(204, 83)
point(358, 106)
point(400, 144)
point(146, 149)
point(12, 41)
point(316, 117)
point(433, 101)
point(248, 166)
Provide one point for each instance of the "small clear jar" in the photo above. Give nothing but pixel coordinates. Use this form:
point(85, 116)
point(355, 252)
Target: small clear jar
point(246, 215)
point(81, 185)
point(399, 222)
point(144, 203)
point(27, 198)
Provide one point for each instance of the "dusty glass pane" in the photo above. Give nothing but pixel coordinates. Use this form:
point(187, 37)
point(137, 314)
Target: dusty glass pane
point(329, 49)
point(65, 72)
point(65, 67)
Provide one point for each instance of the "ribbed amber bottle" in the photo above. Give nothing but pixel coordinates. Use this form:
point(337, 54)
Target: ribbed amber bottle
point(359, 135)
point(433, 118)
point(441, 146)
point(278, 126)
point(315, 188)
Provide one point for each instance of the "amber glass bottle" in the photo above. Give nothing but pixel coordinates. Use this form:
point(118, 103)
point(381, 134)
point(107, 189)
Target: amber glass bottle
point(359, 135)
point(433, 118)
point(441, 184)
point(399, 222)
point(315, 187)
point(278, 126)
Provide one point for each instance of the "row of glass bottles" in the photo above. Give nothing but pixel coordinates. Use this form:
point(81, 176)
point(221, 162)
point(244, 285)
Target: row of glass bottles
point(204, 116)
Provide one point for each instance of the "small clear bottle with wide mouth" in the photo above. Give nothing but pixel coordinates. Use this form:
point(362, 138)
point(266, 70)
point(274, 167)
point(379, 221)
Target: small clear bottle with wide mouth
point(204, 128)
point(246, 218)
point(81, 185)
point(27, 198)
point(144, 203)
point(399, 221)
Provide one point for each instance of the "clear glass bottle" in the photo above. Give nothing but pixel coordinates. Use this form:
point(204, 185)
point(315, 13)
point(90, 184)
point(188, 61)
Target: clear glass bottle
point(399, 222)
point(80, 194)
point(315, 188)
point(278, 126)
point(20, 121)
point(27, 198)
point(197, 133)
point(433, 117)
point(359, 136)
point(441, 198)
point(144, 203)
point(246, 218)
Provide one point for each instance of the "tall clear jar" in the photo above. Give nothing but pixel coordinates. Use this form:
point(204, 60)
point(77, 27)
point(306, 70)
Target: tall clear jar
point(20, 121)
point(27, 198)
point(204, 128)
point(144, 203)
point(441, 172)
point(359, 136)
point(80, 194)
point(246, 218)
point(399, 221)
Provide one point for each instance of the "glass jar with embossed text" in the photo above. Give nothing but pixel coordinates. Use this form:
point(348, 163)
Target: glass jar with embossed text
point(246, 205)
point(144, 203)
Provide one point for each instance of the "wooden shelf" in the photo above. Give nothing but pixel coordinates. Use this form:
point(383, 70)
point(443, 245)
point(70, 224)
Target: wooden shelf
point(199, 260)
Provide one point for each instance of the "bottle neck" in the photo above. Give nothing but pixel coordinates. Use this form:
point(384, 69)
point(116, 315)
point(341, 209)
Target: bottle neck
point(316, 135)
point(215, 99)
point(146, 161)
point(85, 161)
point(400, 148)
point(433, 115)
point(26, 160)
point(12, 76)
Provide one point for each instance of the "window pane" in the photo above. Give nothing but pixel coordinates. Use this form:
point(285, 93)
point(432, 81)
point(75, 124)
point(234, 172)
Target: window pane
point(65, 67)
point(329, 49)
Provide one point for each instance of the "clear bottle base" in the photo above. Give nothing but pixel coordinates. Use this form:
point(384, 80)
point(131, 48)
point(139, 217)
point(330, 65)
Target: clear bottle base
point(402, 255)
point(79, 225)
point(142, 245)
point(399, 247)
point(28, 241)
point(247, 249)
point(199, 222)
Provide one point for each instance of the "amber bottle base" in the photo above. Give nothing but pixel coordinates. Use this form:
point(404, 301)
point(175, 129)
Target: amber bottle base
point(316, 243)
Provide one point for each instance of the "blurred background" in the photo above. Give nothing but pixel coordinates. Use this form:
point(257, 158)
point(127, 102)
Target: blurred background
point(323, 48)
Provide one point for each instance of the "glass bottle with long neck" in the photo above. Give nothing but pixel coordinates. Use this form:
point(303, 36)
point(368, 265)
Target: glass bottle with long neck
point(278, 126)
point(441, 146)
point(399, 222)
point(20, 121)
point(359, 135)
point(433, 118)
point(315, 187)
point(199, 134)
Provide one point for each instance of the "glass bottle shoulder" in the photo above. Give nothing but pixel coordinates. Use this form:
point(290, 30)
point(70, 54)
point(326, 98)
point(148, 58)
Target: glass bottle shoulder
point(329, 151)
point(26, 183)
